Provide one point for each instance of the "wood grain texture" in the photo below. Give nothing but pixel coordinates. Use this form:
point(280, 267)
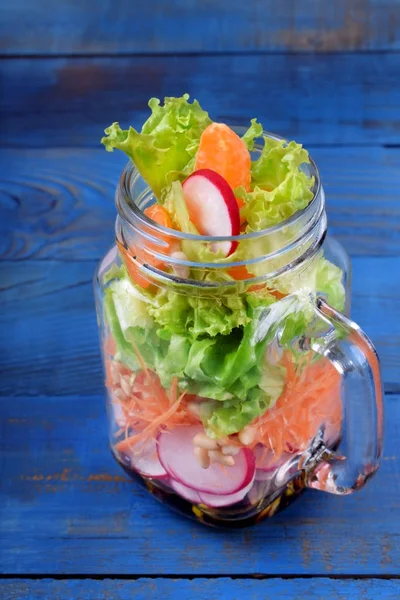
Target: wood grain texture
point(67, 507)
point(48, 319)
point(202, 589)
point(59, 203)
point(319, 99)
point(198, 26)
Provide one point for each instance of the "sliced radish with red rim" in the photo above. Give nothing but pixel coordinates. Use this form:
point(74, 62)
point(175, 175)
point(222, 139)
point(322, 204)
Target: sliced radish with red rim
point(176, 454)
point(143, 457)
point(216, 501)
point(212, 207)
point(187, 493)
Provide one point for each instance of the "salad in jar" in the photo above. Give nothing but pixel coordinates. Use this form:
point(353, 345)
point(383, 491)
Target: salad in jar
point(212, 399)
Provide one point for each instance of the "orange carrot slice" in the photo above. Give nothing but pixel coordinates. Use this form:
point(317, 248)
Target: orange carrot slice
point(159, 215)
point(223, 151)
point(241, 273)
point(132, 268)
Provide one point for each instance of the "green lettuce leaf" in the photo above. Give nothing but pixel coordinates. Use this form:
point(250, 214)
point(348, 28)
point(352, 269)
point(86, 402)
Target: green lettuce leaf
point(236, 355)
point(319, 276)
point(266, 208)
point(125, 352)
point(280, 187)
point(272, 380)
point(197, 315)
point(164, 151)
point(289, 317)
point(133, 328)
point(208, 390)
point(174, 203)
point(233, 415)
point(173, 361)
point(277, 160)
point(329, 282)
point(126, 310)
point(254, 131)
point(114, 272)
point(131, 305)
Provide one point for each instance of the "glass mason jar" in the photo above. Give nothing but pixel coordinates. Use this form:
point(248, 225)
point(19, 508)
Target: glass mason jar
point(233, 385)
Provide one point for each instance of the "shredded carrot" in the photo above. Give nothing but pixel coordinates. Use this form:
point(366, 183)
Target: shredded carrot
point(148, 407)
point(174, 390)
point(310, 398)
point(110, 347)
point(151, 427)
point(108, 367)
point(140, 359)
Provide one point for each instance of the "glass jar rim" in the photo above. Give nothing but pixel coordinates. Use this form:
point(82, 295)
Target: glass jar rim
point(133, 215)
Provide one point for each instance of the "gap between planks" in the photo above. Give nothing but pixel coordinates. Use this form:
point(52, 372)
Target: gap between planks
point(194, 54)
point(190, 577)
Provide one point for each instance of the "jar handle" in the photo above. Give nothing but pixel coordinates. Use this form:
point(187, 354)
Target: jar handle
point(353, 355)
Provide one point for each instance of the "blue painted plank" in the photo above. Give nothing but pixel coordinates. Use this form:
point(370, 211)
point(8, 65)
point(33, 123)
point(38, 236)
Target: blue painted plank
point(202, 589)
point(59, 203)
point(48, 320)
point(91, 27)
point(66, 507)
point(317, 98)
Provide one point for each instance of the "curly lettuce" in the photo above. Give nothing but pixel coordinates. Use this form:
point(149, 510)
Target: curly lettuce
point(279, 186)
point(198, 315)
point(233, 415)
point(254, 131)
point(320, 276)
point(131, 305)
point(174, 203)
point(329, 282)
point(165, 149)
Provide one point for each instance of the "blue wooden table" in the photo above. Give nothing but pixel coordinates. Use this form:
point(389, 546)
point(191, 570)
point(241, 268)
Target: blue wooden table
point(327, 74)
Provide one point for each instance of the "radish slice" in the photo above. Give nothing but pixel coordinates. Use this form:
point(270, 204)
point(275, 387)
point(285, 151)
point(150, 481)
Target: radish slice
point(259, 490)
point(118, 414)
point(264, 475)
point(143, 457)
point(267, 462)
point(185, 492)
point(212, 207)
point(216, 501)
point(176, 454)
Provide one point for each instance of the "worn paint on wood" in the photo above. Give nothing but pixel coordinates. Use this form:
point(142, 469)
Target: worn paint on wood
point(67, 507)
point(318, 99)
point(59, 203)
point(93, 27)
point(48, 317)
point(203, 589)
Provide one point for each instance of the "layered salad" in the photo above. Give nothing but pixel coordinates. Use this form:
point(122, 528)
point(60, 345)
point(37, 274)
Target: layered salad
point(210, 394)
